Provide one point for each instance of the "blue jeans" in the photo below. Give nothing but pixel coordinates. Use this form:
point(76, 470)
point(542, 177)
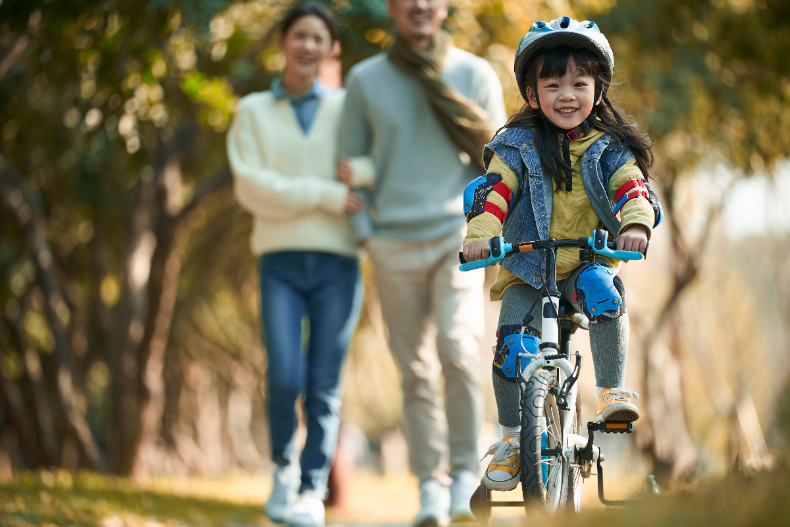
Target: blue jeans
point(325, 289)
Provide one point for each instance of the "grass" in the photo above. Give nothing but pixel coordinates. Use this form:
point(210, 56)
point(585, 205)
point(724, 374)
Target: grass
point(88, 500)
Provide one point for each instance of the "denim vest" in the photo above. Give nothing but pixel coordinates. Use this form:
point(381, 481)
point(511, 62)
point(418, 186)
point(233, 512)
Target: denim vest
point(529, 216)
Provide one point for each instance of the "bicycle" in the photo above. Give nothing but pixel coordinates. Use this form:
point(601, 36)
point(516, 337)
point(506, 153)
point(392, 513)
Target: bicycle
point(555, 458)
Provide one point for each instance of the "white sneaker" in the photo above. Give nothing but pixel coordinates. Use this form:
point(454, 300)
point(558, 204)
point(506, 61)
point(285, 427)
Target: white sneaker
point(434, 505)
point(308, 511)
point(461, 490)
point(281, 500)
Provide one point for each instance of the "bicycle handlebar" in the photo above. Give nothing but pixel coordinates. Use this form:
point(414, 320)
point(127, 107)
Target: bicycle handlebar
point(597, 242)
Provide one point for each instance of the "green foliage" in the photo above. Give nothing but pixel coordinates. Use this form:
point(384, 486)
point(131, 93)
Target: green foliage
point(95, 96)
point(709, 79)
point(196, 12)
point(364, 29)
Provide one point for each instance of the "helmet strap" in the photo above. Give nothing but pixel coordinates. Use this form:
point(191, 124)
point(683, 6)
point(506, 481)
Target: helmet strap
point(569, 135)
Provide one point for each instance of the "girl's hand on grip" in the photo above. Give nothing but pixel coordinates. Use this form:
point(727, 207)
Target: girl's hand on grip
point(476, 250)
point(634, 238)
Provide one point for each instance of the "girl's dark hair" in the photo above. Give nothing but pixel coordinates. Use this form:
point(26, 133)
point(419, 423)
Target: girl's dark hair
point(555, 63)
point(306, 9)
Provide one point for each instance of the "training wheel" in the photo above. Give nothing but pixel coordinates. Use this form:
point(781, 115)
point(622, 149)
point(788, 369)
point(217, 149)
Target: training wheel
point(480, 503)
point(652, 486)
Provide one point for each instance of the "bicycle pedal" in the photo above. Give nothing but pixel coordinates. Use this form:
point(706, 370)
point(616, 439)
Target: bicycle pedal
point(612, 427)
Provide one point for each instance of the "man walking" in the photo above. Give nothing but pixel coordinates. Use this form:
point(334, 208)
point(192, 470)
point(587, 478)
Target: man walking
point(415, 123)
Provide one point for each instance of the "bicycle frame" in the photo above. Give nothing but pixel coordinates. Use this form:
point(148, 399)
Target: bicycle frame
point(569, 414)
point(550, 340)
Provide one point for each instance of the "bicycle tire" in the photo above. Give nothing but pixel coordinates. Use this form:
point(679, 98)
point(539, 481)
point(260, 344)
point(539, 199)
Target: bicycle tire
point(537, 402)
point(573, 502)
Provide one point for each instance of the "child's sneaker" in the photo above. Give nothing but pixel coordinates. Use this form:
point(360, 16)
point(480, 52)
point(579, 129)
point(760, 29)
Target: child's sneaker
point(504, 469)
point(614, 404)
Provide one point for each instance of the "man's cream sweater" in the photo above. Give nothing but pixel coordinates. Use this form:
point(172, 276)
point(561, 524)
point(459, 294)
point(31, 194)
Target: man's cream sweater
point(286, 179)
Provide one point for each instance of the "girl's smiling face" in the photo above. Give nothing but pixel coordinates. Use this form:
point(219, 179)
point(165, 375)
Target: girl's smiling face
point(565, 100)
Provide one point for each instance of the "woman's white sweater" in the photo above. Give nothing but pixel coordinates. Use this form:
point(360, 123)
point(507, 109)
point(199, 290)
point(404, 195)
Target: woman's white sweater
point(286, 179)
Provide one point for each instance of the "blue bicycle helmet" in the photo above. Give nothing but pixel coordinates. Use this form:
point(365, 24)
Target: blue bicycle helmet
point(559, 32)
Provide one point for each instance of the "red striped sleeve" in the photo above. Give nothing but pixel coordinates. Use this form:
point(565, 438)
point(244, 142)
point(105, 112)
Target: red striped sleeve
point(495, 210)
point(625, 187)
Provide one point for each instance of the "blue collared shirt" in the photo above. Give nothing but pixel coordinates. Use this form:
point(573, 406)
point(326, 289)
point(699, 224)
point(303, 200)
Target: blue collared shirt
point(304, 106)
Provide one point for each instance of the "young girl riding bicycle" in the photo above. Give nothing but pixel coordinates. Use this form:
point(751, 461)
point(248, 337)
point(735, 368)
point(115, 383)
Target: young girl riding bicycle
point(568, 163)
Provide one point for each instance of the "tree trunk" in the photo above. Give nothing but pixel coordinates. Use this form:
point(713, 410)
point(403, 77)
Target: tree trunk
point(26, 205)
point(670, 445)
point(165, 269)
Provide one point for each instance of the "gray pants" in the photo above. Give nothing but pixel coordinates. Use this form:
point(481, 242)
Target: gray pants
point(608, 341)
point(434, 316)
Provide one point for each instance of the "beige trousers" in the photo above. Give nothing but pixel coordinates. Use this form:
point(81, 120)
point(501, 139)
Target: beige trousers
point(434, 315)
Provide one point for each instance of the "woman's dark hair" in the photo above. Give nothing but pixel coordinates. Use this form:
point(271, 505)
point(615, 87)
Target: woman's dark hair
point(555, 63)
point(306, 9)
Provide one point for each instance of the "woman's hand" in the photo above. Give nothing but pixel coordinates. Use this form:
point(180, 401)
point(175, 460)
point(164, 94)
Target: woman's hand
point(354, 203)
point(634, 238)
point(476, 250)
point(344, 171)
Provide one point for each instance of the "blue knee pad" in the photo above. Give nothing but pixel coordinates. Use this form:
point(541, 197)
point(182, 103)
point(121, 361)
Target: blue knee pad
point(600, 293)
point(508, 348)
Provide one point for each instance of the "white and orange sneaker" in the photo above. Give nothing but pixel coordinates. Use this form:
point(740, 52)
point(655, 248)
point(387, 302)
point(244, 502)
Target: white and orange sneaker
point(503, 470)
point(614, 404)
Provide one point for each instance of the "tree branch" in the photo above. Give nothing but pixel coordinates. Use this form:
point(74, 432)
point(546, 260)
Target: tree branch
point(218, 181)
point(26, 205)
point(41, 410)
point(19, 46)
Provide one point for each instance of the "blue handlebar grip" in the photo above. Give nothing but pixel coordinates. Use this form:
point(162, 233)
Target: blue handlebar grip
point(613, 253)
point(623, 255)
point(491, 260)
point(478, 264)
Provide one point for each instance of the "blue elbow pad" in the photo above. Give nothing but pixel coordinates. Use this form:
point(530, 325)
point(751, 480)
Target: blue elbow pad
point(476, 192)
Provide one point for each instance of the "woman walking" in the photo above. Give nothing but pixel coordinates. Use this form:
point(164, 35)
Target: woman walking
point(282, 149)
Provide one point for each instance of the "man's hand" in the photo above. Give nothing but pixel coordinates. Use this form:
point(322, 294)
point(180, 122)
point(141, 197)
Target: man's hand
point(344, 171)
point(634, 238)
point(354, 203)
point(476, 250)
point(363, 243)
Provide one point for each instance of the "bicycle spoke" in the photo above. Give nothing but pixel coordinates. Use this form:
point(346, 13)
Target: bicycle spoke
point(552, 426)
point(553, 435)
point(551, 462)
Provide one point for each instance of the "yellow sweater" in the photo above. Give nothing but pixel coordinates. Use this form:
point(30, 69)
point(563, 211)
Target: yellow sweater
point(572, 214)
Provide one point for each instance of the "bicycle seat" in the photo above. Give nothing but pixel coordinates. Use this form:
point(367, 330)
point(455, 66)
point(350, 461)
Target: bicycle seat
point(568, 312)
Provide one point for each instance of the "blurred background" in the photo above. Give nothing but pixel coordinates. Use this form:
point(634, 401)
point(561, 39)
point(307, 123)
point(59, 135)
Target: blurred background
point(129, 332)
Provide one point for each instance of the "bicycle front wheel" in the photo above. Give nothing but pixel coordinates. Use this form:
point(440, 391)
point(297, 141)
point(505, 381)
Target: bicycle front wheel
point(543, 478)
